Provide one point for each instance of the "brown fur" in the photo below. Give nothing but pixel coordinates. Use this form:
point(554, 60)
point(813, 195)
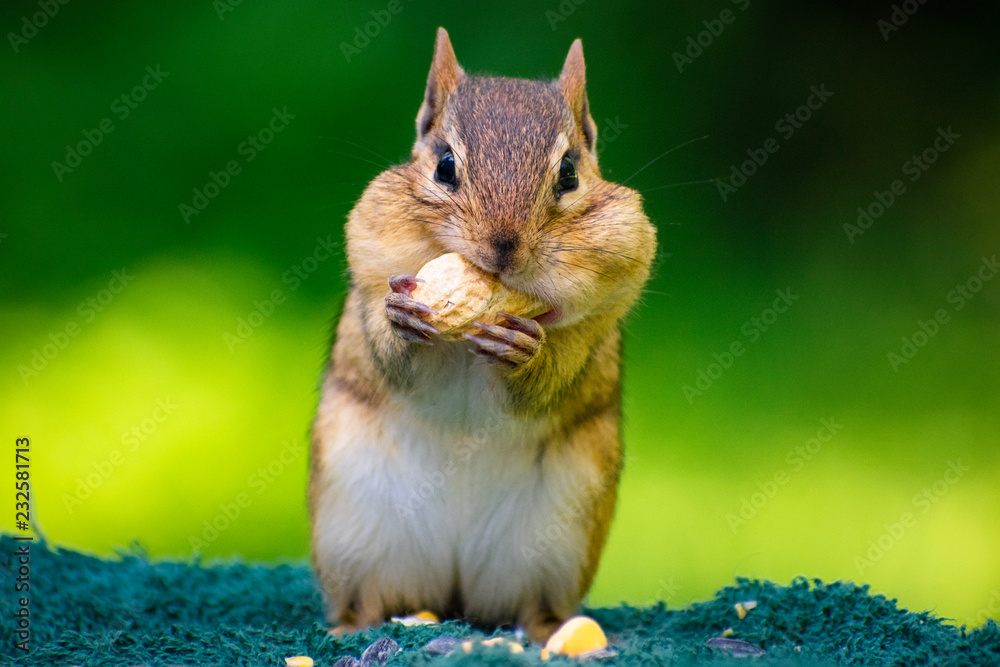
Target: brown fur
point(587, 251)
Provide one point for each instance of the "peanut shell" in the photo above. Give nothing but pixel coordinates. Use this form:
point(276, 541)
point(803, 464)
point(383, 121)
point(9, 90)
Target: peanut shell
point(462, 293)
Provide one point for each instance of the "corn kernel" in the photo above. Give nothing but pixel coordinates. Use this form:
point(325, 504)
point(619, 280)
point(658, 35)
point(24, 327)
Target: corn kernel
point(743, 607)
point(420, 618)
point(578, 636)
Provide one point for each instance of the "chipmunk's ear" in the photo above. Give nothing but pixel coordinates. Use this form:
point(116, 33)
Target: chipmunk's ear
point(441, 82)
point(573, 85)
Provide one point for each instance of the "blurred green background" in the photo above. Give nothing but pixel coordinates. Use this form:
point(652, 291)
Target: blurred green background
point(155, 413)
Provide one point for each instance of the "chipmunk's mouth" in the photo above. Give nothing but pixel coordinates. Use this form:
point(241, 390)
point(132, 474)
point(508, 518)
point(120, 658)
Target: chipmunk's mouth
point(550, 316)
point(521, 283)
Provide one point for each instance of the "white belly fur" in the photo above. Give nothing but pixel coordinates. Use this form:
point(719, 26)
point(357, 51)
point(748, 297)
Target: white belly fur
point(448, 496)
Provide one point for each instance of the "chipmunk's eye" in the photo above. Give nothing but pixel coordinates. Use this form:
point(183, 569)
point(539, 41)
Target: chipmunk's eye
point(567, 176)
point(445, 172)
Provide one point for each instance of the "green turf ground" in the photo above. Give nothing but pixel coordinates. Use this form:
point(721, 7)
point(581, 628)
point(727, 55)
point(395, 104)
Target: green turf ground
point(127, 611)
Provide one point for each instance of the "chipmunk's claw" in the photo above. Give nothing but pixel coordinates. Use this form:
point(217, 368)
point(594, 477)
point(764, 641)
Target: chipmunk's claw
point(511, 344)
point(405, 313)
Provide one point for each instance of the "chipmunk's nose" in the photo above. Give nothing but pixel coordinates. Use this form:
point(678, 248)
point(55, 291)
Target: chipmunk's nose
point(505, 245)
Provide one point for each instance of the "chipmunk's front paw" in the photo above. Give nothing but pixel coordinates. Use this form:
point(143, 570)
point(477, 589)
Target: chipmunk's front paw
point(511, 344)
point(406, 314)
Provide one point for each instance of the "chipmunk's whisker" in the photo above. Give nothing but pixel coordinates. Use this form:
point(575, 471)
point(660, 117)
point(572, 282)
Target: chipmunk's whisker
point(663, 155)
point(358, 157)
point(575, 225)
point(388, 162)
point(580, 266)
point(582, 249)
point(677, 185)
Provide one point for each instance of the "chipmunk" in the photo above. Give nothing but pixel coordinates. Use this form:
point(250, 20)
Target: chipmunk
point(479, 486)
